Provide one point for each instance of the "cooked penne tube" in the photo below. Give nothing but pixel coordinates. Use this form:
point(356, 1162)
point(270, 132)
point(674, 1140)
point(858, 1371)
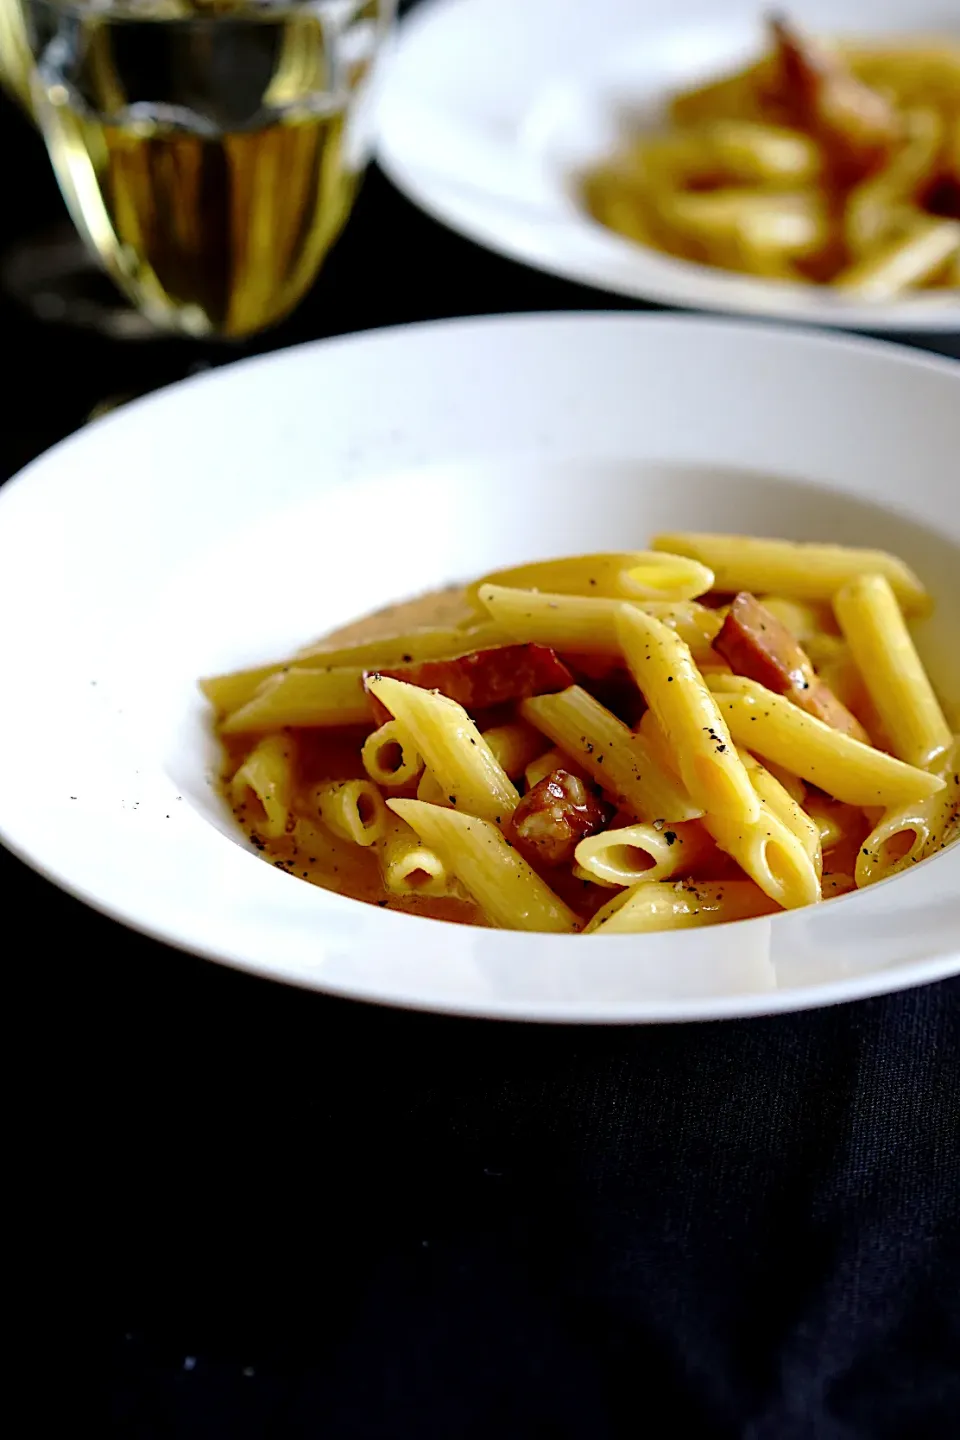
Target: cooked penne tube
point(778, 799)
point(515, 746)
point(452, 747)
point(917, 254)
point(774, 856)
point(509, 892)
point(771, 726)
point(892, 671)
point(265, 782)
point(805, 620)
point(643, 851)
point(824, 649)
point(799, 571)
point(682, 905)
point(630, 575)
point(872, 207)
point(390, 757)
point(584, 624)
point(549, 761)
point(749, 151)
point(352, 809)
point(687, 713)
point(837, 824)
point(909, 833)
point(578, 873)
point(408, 866)
point(793, 785)
point(611, 754)
point(429, 790)
point(321, 699)
point(230, 691)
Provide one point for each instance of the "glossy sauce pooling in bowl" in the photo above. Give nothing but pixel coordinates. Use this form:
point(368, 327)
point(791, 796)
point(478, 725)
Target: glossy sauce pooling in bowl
point(716, 728)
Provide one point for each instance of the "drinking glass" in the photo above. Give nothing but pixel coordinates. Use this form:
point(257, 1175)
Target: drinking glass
point(209, 151)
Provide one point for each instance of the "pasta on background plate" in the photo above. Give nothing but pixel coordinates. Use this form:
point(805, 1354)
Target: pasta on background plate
point(717, 728)
point(823, 163)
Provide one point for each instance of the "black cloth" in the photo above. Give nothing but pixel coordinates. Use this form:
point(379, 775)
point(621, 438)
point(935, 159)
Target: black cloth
point(312, 1218)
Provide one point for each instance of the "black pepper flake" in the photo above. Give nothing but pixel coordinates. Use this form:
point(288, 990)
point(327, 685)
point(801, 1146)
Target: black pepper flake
point(599, 759)
point(381, 903)
point(407, 659)
point(669, 679)
point(452, 799)
point(589, 748)
point(670, 836)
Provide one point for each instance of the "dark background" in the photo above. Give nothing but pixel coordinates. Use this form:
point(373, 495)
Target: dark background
point(296, 1216)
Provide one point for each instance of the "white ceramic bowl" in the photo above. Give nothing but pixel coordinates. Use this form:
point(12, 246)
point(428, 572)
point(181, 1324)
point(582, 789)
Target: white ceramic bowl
point(242, 513)
point(489, 109)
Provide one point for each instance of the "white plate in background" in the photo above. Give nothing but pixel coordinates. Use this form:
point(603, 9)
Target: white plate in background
point(489, 109)
point(240, 514)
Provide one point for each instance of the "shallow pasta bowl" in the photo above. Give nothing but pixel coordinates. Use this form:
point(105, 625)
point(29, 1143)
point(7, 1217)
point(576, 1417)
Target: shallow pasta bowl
point(237, 516)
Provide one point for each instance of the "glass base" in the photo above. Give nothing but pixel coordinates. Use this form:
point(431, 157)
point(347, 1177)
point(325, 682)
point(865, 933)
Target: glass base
point(55, 279)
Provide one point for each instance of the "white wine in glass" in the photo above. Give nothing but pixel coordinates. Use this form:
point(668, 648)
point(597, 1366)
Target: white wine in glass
point(208, 150)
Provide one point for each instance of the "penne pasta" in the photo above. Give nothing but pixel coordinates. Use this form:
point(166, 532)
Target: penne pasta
point(798, 571)
point(452, 747)
point(322, 699)
point(611, 754)
point(771, 726)
point(515, 746)
point(545, 765)
point(508, 890)
point(805, 620)
point(408, 866)
point(793, 785)
point(721, 799)
point(643, 851)
point(892, 671)
point(837, 824)
point(773, 854)
point(907, 834)
point(352, 809)
point(230, 691)
point(575, 623)
point(631, 575)
point(914, 255)
point(687, 713)
point(389, 756)
point(262, 787)
point(430, 792)
point(578, 873)
point(666, 905)
point(779, 800)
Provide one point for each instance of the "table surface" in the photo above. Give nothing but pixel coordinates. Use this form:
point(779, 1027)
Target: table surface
point(317, 1218)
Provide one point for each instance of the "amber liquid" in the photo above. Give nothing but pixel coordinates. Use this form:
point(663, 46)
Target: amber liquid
point(204, 160)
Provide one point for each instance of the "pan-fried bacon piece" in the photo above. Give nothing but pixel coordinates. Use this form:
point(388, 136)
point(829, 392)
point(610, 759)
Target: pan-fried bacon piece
point(756, 644)
point(557, 814)
point(856, 125)
point(484, 678)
